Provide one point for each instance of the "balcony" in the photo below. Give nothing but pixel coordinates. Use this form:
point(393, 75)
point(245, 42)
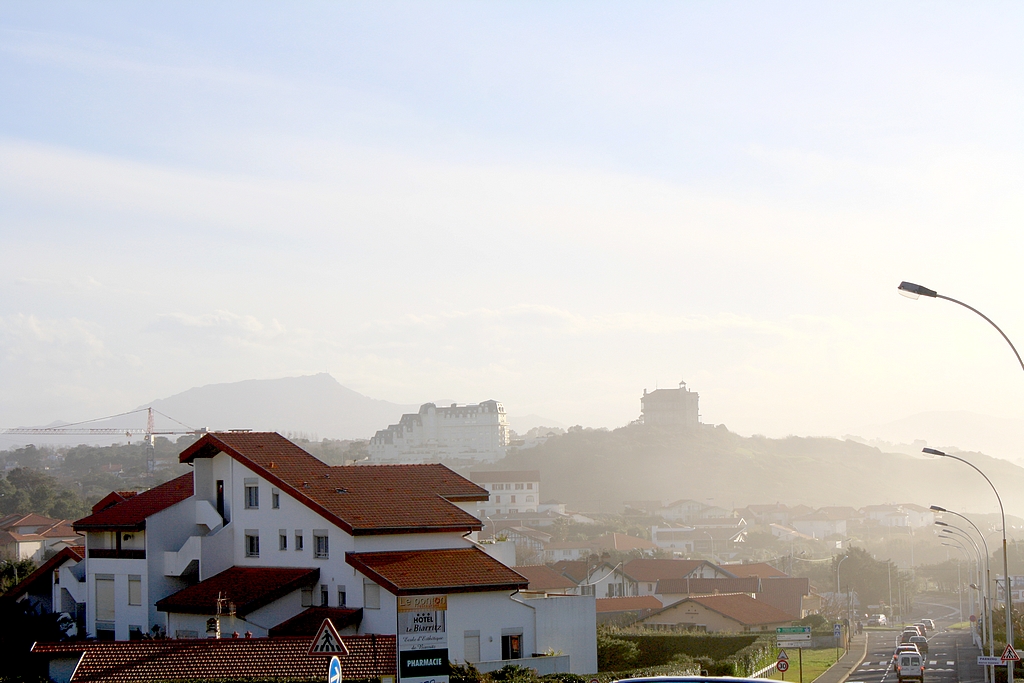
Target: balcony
point(178, 562)
point(115, 554)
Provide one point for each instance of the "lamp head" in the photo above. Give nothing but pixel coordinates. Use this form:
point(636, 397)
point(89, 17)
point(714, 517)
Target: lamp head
point(932, 451)
point(912, 291)
point(940, 523)
point(936, 508)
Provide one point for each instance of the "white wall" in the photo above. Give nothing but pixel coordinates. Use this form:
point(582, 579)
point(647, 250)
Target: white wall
point(487, 613)
point(568, 624)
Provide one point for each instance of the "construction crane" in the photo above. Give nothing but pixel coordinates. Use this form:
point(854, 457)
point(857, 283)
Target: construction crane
point(149, 432)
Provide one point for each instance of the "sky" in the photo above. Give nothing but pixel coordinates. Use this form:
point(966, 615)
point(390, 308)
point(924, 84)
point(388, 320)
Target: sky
point(555, 205)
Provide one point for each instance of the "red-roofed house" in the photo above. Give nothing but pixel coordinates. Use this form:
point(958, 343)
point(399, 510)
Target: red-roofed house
point(270, 532)
point(32, 536)
point(544, 579)
point(369, 657)
point(735, 613)
point(625, 611)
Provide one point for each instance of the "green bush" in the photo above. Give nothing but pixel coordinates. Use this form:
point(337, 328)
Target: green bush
point(563, 677)
point(512, 673)
point(616, 654)
point(464, 673)
point(657, 649)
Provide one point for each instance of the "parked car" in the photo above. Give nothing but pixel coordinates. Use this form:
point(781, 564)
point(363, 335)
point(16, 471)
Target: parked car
point(929, 623)
point(910, 667)
point(922, 644)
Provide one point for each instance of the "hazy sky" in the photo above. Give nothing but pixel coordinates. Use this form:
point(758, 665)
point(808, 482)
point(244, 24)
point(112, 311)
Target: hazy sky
point(555, 205)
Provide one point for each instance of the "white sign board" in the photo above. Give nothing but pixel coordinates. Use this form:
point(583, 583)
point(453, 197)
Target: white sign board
point(423, 638)
point(798, 637)
point(990, 661)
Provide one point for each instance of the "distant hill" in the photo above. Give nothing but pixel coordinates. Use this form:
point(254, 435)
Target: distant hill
point(315, 405)
point(596, 470)
point(965, 430)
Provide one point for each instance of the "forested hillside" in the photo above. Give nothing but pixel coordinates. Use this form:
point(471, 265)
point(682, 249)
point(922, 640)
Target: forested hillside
point(599, 470)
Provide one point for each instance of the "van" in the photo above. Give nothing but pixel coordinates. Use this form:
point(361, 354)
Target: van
point(910, 667)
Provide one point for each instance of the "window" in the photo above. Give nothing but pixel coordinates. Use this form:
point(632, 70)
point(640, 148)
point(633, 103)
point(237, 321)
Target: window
point(519, 487)
point(104, 598)
point(511, 645)
point(371, 595)
point(252, 543)
point(529, 486)
point(307, 597)
point(513, 499)
point(282, 539)
point(587, 590)
point(471, 647)
point(135, 589)
point(324, 597)
point(497, 499)
point(342, 597)
point(275, 499)
point(320, 544)
point(529, 499)
point(252, 495)
point(298, 540)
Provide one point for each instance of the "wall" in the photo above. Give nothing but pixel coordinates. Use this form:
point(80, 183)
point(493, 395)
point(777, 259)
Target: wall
point(168, 530)
point(568, 624)
point(488, 613)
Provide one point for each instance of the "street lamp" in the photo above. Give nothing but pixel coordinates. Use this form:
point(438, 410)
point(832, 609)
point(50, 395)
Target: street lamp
point(708, 534)
point(1008, 602)
point(986, 605)
point(913, 291)
point(950, 529)
point(988, 555)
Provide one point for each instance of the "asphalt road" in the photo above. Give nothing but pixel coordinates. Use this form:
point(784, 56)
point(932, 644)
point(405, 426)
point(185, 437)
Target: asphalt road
point(951, 657)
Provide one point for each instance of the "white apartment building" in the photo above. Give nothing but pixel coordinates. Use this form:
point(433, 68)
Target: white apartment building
point(473, 433)
point(509, 491)
point(261, 531)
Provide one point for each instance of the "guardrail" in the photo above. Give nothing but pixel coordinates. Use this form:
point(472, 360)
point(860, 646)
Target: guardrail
point(767, 671)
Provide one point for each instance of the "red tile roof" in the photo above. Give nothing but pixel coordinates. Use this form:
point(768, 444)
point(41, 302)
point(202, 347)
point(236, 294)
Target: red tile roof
point(307, 623)
point(738, 607)
point(249, 588)
point(420, 572)
point(131, 513)
point(144, 661)
point(575, 570)
point(544, 578)
point(761, 569)
point(370, 499)
point(74, 554)
point(785, 594)
point(628, 604)
point(708, 586)
point(653, 570)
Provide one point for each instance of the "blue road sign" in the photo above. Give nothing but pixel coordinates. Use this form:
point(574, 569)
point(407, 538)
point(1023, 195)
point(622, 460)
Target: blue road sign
point(837, 630)
point(334, 671)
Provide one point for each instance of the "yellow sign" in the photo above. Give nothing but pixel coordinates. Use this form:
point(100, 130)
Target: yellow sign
point(423, 603)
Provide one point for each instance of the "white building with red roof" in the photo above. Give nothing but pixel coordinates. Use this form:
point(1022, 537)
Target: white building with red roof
point(261, 532)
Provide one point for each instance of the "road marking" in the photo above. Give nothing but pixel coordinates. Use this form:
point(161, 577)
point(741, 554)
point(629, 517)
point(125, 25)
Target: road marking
point(951, 663)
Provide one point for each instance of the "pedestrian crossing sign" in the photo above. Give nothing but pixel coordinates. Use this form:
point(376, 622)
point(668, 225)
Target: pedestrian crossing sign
point(1010, 655)
point(327, 641)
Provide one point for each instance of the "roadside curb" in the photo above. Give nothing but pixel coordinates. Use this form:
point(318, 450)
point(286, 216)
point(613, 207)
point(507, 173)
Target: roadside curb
point(833, 674)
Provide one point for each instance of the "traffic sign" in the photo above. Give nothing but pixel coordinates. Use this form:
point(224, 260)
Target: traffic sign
point(1010, 655)
point(837, 630)
point(334, 671)
point(782, 665)
point(327, 642)
point(793, 630)
point(782, 655)
point(974, 618)
point(985, 660)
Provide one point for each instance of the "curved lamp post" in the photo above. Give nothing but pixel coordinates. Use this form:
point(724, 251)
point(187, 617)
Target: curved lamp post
point(988, 555)
point(1008, 602)
point(914, 291)
point(951, 532)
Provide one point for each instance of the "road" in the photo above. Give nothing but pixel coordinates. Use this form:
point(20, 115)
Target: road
point(951, 658)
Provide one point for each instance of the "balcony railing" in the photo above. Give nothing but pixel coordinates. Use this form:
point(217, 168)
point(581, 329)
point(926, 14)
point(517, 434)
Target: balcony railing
point(115, 554)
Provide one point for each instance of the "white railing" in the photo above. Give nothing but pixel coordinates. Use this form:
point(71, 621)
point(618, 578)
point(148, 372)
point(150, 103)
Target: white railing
point(765, 672)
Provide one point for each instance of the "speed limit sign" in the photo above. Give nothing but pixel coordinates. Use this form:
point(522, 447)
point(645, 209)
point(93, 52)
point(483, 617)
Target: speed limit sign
point(782, 665)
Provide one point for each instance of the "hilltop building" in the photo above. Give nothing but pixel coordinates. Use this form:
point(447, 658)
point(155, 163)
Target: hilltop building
point(475, 433)
point(671, 408)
